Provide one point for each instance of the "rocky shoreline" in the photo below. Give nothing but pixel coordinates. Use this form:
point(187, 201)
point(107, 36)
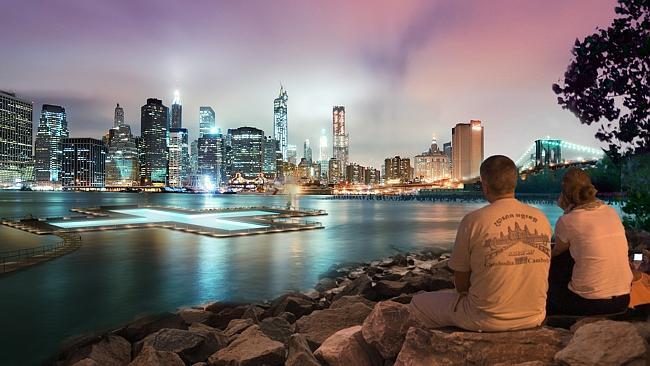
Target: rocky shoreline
point(357, 314)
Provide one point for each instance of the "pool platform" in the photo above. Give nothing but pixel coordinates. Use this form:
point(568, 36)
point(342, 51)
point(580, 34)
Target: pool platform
point(213, 222)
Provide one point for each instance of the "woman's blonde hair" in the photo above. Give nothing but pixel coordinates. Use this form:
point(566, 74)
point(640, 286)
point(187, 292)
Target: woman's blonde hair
point(577, 187)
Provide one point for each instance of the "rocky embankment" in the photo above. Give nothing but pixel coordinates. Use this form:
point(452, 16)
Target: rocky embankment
point(356, 315)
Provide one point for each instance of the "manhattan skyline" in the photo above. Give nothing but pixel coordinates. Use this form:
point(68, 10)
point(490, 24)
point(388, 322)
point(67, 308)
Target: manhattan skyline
point(403, 71)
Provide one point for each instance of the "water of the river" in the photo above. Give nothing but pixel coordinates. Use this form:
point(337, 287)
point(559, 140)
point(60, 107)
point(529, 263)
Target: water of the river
point(119, 275)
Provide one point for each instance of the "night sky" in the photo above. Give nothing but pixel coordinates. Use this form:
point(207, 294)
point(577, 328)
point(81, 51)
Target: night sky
point(404, 69)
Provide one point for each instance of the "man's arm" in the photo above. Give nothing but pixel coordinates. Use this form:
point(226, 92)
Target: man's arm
point(461, 281)
point(560, 247)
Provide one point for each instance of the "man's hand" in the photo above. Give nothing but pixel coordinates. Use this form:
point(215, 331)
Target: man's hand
point(461, 281)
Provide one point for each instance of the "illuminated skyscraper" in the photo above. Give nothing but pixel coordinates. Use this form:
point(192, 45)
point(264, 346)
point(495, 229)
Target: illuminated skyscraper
point(154, 128)
point(467, 150)
point(247, 151)
point(271, 154)
point(118, 120)
point(178, 162)
point(323, 148)
point(341, 138)
point(432, 165)
point(280, 122)
point(83, 163)
point(207, 121)
point(398, 169)
point(292, 154)
point(16, 165)
point(122, 160)
point(307, 152)
point(211, 161)
point(52, 128)
point(177, 112)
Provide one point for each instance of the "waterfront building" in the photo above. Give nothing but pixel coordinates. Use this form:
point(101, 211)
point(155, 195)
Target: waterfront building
point(52, 128)
point(292, 154)
point(118, 120)
point(271, 154)
point(372, 176)
point(154, 128)
point(207, 121)
point(432, 165)
point(304, 170)
point(315, 173)
point(323, 148)
point(307, 152)
point(16, 128)
point(247, 151)
point(447, 149)
point(122, 159)
point(83, 163)
point(334, 171)
point(398, 169)
point(467, 151)
point(355, 174)
point(211, 160)
point(194, 157)
point(178, 162)
point(280, 122)
point(176, 120)
point(341, 139)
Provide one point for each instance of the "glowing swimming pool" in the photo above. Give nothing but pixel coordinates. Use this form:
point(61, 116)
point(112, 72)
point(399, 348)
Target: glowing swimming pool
point(215, 220)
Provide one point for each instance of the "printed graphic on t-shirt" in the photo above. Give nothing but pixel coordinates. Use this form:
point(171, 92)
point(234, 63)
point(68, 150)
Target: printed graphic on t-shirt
point(517, 246)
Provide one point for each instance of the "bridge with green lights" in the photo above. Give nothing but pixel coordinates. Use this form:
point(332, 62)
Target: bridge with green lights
point(555, 154)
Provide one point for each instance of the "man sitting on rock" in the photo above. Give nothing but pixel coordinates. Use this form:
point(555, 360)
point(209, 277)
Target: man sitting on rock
point(500, 261)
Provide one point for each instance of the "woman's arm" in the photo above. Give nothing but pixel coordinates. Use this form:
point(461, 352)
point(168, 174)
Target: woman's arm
point(560, 247)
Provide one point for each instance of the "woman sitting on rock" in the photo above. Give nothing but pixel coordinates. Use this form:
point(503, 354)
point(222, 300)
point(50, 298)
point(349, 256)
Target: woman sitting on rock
point(590, 272)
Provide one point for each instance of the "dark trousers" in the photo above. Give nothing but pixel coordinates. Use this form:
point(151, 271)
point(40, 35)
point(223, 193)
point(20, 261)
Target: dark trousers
point(562, 301)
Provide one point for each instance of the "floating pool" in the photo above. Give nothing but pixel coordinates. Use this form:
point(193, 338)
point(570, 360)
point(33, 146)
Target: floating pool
point(214, 220)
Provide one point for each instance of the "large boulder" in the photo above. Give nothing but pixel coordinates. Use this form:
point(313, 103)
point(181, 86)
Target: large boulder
point(109, 350)
point(219, 337)
point(237, 326)
point(191, 346)
point(251, 348)
point(345, 301)
point(299, 353)
point(144, 326)
point(361, 285)
point(192, 315)
point(225, 315)
point(386, 326)
point(347, 347)
point(149, 356)
point(277, 328)
point(461, 348)
point(321, 324)
point(325, 284)
point(295, 303)
point(605, 342)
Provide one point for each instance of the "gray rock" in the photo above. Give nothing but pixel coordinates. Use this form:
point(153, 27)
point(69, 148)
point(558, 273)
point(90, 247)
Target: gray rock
point(277, 328)
point(190, 346)
point(347, 347)
point(208, 331)
point(299, 353)
point(142, 327)
point(461, 348)
point(251, 348)
point(288, 317)
point(386, 326)
point(361, 285)
point(325, 284)
point(253, 312)
point(605, 342)
point(321, 324)
point(151, 357)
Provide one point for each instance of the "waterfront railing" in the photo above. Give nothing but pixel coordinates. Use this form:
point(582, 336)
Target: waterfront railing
point(11, 259)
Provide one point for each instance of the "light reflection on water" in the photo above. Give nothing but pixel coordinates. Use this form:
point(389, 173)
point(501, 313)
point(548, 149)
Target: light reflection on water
point(118, 275)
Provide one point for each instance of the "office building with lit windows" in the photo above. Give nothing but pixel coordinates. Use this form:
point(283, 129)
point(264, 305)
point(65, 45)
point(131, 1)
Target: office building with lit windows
point(16, 128)
point(154, 129)
point(280, 122)
point(247, 155)
point(211, 161)
point(122, 159)
point(341, 142)
point(83, 164)
point(432, 165)
point(178, 157)
point(207, 121)
point(48, 155)
point(467, 151)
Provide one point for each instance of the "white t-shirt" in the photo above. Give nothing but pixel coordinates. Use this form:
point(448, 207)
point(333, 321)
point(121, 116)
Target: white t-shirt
point(599, 247)
point(506, 247)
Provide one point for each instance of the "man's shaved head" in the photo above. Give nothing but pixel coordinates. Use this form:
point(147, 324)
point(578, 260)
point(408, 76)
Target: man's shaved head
point(499, 173)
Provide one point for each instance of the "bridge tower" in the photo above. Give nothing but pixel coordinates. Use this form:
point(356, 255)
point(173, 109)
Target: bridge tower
point(548, 152)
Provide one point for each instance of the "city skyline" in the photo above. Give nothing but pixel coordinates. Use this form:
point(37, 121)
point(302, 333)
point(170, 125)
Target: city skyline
point(416, 78)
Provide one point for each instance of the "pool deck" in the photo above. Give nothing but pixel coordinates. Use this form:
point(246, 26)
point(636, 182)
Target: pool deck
point(213, 222)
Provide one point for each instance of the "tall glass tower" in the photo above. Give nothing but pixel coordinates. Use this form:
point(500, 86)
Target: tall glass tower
point(177, 112)
point(119, 116)
point(280, 124)
point(52, 128)
point(307, 154)
point(341, 139)
point(207, 121)
point(122, 160)
point(154, 129)
point(16, 166)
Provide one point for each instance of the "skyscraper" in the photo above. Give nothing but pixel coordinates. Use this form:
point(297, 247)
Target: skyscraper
point(52, 128)
point(247, 155)
point(271, 150)
point(280, 122)
point(207, 121)
point(398, 169)
point(467, 150)
point(154, 125)
point(179, 155)
point(292, 154)
point(118, 120)
point(177, 112)
point(83, 162)
point(16, 166)
point(122, 159)
point(341, 138)
point(307, 154)
point(211, 160)
point(432, 165)
point(323, 148)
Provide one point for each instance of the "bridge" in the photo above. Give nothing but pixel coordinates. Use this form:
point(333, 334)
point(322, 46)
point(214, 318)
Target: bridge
point(556, 153)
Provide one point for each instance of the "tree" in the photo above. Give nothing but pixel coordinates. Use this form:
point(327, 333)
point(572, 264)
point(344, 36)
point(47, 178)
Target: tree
point(607, 80)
